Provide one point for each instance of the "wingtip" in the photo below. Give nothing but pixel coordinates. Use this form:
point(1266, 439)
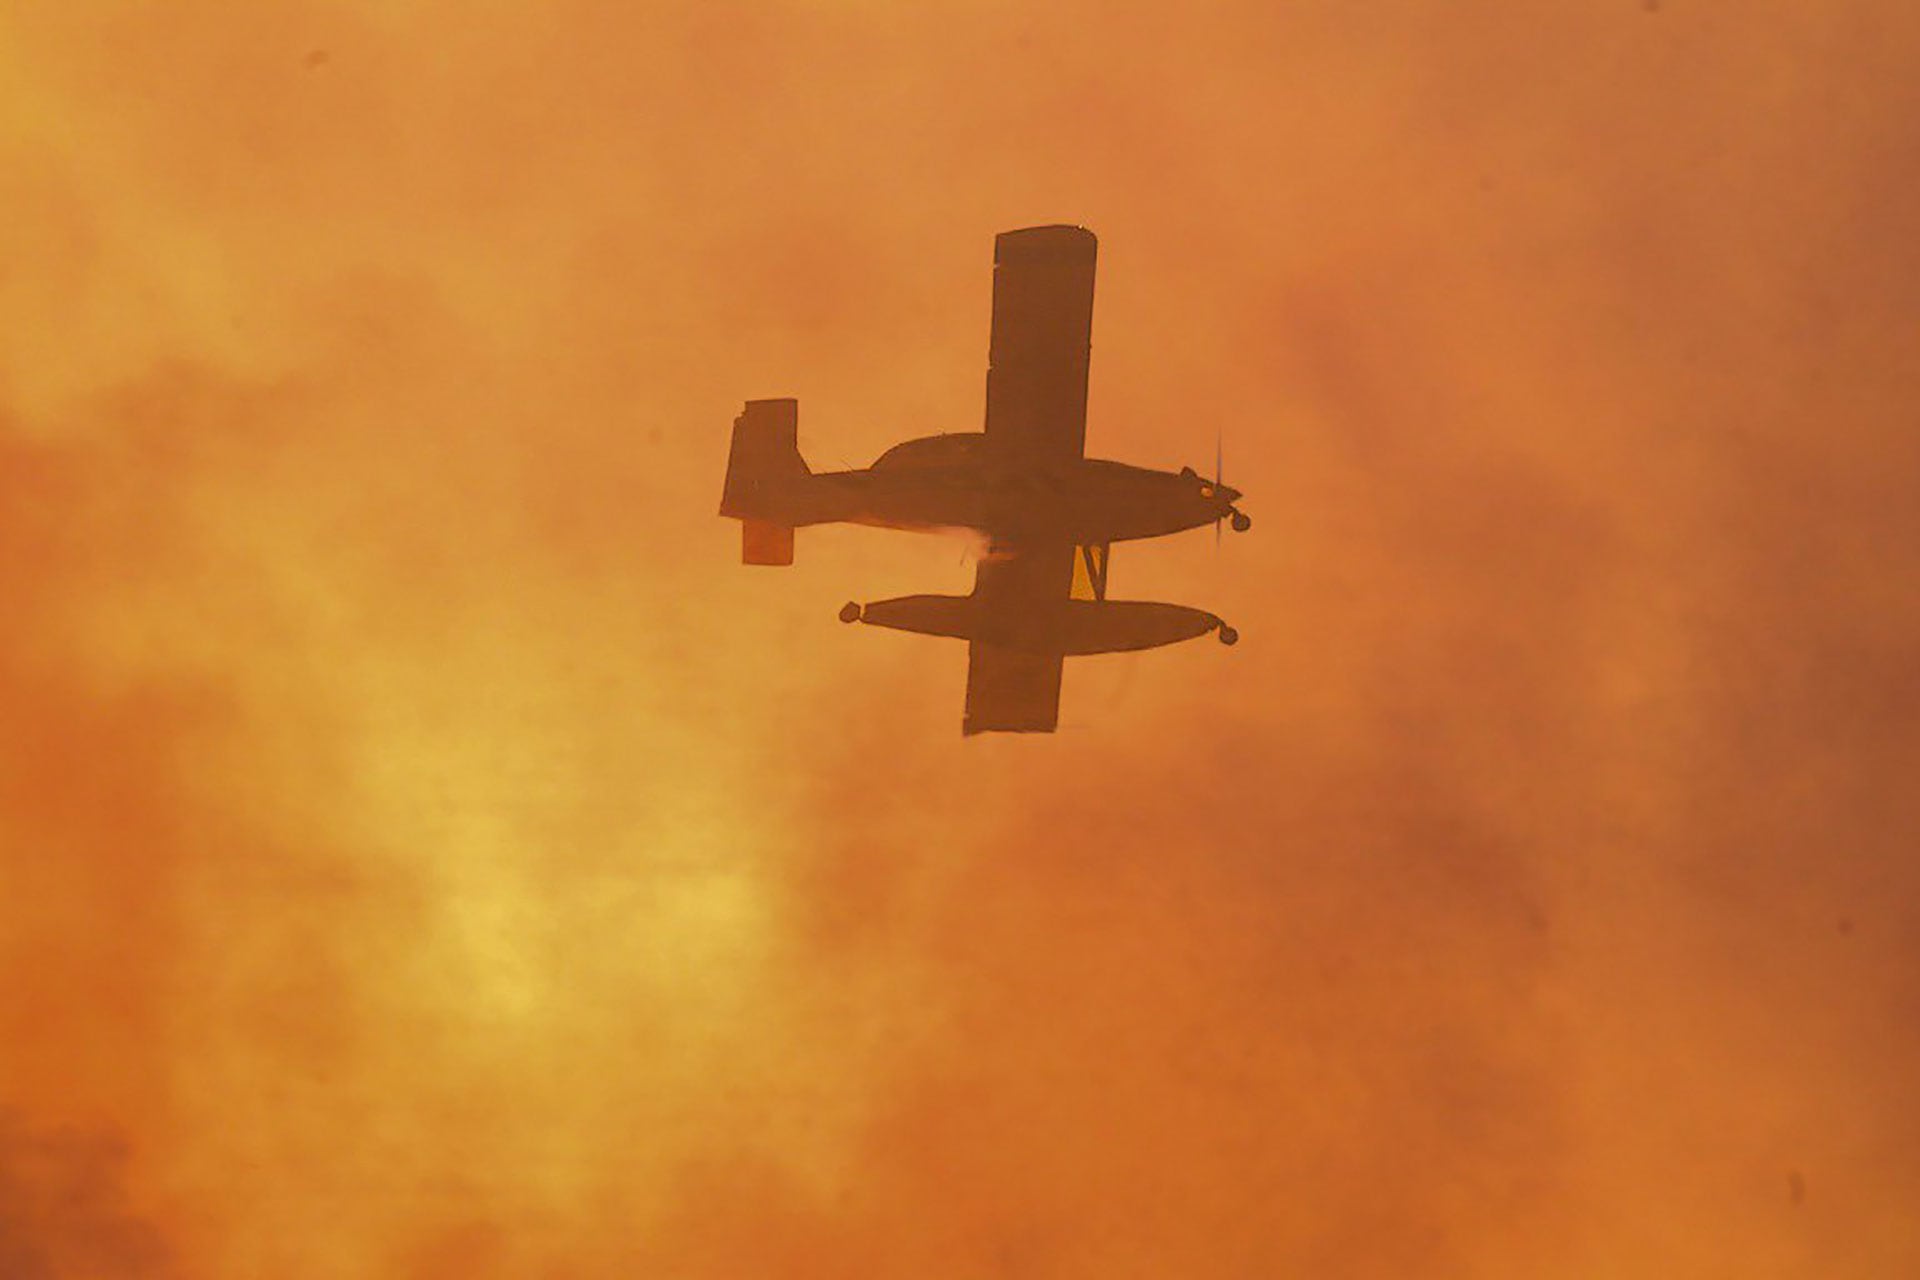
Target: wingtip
point(1050, 240)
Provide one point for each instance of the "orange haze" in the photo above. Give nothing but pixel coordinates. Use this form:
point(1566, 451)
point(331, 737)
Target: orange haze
point(426, 852)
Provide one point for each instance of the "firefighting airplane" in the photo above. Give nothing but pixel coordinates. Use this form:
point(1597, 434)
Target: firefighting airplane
point(1048, 512)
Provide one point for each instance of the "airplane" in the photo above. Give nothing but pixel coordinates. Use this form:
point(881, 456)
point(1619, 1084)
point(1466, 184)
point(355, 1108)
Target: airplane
point(1049, 514)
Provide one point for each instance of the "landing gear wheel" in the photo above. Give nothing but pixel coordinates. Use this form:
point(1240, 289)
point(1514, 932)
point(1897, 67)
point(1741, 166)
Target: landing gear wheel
point(849, 612)
point(1241, 523)
point(1228, 635)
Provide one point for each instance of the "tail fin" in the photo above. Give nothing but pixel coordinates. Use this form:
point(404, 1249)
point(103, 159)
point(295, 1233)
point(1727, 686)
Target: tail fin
point(764, 472)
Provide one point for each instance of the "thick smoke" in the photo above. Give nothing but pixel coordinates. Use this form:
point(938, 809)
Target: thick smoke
point(432, 854)
point(64, 1212)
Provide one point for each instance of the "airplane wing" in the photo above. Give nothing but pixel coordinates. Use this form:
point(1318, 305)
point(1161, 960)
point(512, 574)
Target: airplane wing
point(1040, 345)
point(1013, 681)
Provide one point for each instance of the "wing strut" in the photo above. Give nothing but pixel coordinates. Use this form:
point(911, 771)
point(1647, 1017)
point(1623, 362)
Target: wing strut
point(1090, 572)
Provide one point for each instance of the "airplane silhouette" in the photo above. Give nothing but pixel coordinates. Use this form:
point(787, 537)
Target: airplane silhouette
point(1048, 512)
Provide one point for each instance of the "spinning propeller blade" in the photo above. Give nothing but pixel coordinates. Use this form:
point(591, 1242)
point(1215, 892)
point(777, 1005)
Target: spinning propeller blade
point(1217, 451)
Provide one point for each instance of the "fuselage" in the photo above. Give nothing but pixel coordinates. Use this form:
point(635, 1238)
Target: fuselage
point(952, 481)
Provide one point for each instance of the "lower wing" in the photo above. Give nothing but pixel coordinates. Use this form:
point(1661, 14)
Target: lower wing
point(1011, 690)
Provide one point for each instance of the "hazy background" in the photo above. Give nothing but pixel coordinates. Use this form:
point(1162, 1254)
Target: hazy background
point(426, 852)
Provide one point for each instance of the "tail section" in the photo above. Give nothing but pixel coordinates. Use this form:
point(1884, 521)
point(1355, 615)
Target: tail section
point(762, 542)
point(765, 474)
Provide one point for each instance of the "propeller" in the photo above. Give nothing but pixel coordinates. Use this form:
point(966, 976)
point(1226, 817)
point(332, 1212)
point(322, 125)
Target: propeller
point(1217, 468)
point(1240, 522)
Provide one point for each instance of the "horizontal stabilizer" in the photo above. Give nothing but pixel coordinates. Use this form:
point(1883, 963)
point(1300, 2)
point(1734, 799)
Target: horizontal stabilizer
point(765, 473)
point(763, 542)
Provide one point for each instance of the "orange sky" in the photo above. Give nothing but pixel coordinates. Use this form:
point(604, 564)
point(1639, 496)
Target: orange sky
point(426, 852)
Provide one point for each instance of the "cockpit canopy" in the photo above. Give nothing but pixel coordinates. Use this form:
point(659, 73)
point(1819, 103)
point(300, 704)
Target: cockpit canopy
point(954, 449)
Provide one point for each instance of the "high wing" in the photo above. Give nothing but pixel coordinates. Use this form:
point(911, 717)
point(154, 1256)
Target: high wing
point(1040, 346)
point(1013, 673)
